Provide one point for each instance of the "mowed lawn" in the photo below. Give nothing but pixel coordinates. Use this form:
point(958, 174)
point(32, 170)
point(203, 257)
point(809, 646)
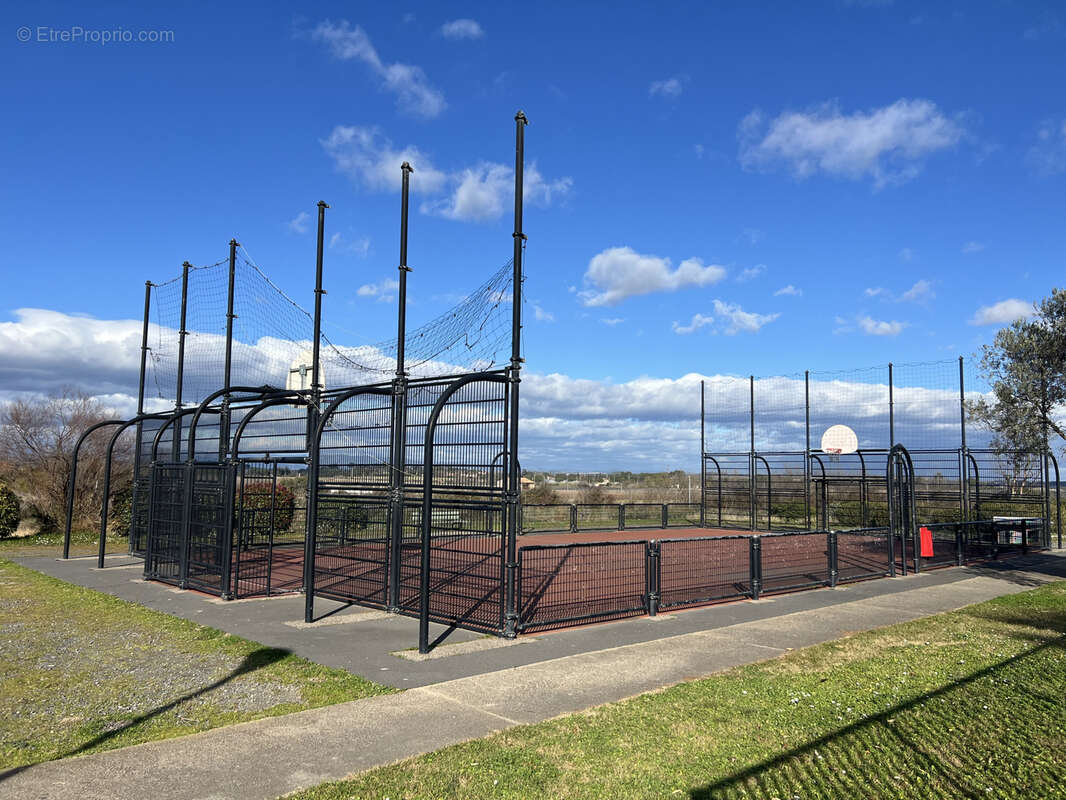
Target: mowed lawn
point(82, 671)
point(967, 704)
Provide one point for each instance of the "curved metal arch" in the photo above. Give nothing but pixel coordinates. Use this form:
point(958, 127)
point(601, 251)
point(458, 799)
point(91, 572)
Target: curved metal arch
point(73, 478)
point(901, 452)
point(260, 391)
point(107, 480)
point(1058, 502)
point(825, 487)
point(298, 399)
point(717, 467)
point(976, 485)
point(769, 492)
point(158, 438)
point(311, 517)
point(427, 499)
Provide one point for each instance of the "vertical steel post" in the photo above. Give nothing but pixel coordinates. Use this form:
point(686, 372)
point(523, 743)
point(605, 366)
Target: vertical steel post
point(224, 418)
point(511, 615)
point(140, 400)
point(703, 461)
point(807, 447)
point(755, 565)
point(891, 411)
point(1045, 412)
point(175, 451)
point(964, 482)
point(752, 474)
point(313, 415)
point(398, 444)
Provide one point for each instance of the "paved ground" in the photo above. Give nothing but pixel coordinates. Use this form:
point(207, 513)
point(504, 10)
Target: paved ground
point(553, 675)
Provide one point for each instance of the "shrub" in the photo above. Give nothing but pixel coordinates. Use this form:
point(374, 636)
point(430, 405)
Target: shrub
point(10, 512)
point(120, 510)
point(256, 498)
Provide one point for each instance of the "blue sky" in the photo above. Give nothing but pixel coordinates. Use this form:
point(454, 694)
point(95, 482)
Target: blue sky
point(902, 168)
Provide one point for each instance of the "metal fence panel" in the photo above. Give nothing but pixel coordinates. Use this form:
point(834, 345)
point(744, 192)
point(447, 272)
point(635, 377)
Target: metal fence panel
point(703, 570)
point(862, 554)
point(794, 561)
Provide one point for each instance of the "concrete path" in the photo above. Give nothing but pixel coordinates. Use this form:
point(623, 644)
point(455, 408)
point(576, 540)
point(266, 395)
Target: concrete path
point(271, 757)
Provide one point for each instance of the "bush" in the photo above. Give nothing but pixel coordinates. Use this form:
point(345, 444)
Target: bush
point(10, 512)
point(257, 498)
point(120, 511)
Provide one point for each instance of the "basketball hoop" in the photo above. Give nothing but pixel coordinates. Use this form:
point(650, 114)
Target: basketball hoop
point(839, 439)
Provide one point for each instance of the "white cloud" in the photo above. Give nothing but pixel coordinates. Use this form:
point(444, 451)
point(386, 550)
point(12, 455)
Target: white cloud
point(789, 290)
point(621, 272)
point(1047, 156)
point(541, 315)
point(486, 192)
point(409, 83)
point(738, 320)
point(1002, 313)
point(748, 273)
point(383, 290)
point(360, 246)
point(365, 156)
point(921, 292)
point(877, 291)
point(299, 223)
point(462, 29)
point(698, 321)
point(973, 247)
point(886, 144)
point(906, 254)
point(874, 327)
point(612, 321)
point(670, 87)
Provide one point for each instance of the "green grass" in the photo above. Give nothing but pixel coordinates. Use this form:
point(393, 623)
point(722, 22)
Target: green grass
point(967, 704)
point(82, 671)
point(82, 543)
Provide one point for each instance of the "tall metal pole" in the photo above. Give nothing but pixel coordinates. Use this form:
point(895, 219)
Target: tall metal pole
point(316, 364)
point(313, 416)
point(514, 374)
point(179, 387)
point(964, 470)
point(807, 447)
point(140, 396)
point(223, 423)
point(751, 452)
point(891, 411)
point(703, 449)
point(1045, 412)
point(398, 446)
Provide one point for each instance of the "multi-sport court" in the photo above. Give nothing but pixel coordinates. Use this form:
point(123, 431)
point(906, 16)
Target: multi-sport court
point(268, 459)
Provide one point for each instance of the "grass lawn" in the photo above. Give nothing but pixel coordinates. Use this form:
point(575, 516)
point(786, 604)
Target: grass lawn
point(82, 671)
point(967, 704)
point(82, 543)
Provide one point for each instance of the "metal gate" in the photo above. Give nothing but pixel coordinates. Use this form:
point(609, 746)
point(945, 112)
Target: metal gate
point(166, 523)
point(902, 527)
point(269, 527)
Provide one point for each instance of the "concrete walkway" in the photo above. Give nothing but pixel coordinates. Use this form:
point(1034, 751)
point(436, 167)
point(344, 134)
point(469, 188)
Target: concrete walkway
point(271, 757)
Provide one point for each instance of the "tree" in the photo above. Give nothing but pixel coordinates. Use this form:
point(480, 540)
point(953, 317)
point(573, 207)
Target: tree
point(1026, 367)
point(37, 438)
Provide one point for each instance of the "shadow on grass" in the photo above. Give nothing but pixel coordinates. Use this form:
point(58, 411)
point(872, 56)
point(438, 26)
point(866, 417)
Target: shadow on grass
point(256, 660)
point(853, 761)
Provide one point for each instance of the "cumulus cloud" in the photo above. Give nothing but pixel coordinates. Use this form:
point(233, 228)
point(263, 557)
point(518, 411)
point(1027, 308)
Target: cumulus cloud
point(474, 194)
point(875, 327)
point(360, 246)
point(1002, 313)
point(790, 291)
point(728, 319)
point(698, 321)
point(367, 157)
point(621, 272)
point(670, 87)
point(887, 145)
point(383, 291)
point(462, 29)
point(875, 291)
point(300, 223)
point(541, 315)
point(414, 93)
point(748, 273)
point(920, 292)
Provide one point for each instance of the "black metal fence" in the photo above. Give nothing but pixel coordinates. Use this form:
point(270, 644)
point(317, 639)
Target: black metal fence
point(581, 517)
point(572, 584)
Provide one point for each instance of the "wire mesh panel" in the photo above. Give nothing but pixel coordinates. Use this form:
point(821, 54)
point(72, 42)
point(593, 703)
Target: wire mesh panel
point(643, 515)
point(544, 518)
point(165, 540)
point(1005, 483)
point(210, 528)
point(945, 540)
point(597, 516)
point(704, 570)
point(858, 398)
point(682, 515)
point(863, 554)
point(269, 531)
point(351, 541)
point(794, 561)
point(727, 490)
point(467, 523)
point(927, 405)
point(848, 489)
point(780, 491)
point(561, 585)
point(938, 491)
